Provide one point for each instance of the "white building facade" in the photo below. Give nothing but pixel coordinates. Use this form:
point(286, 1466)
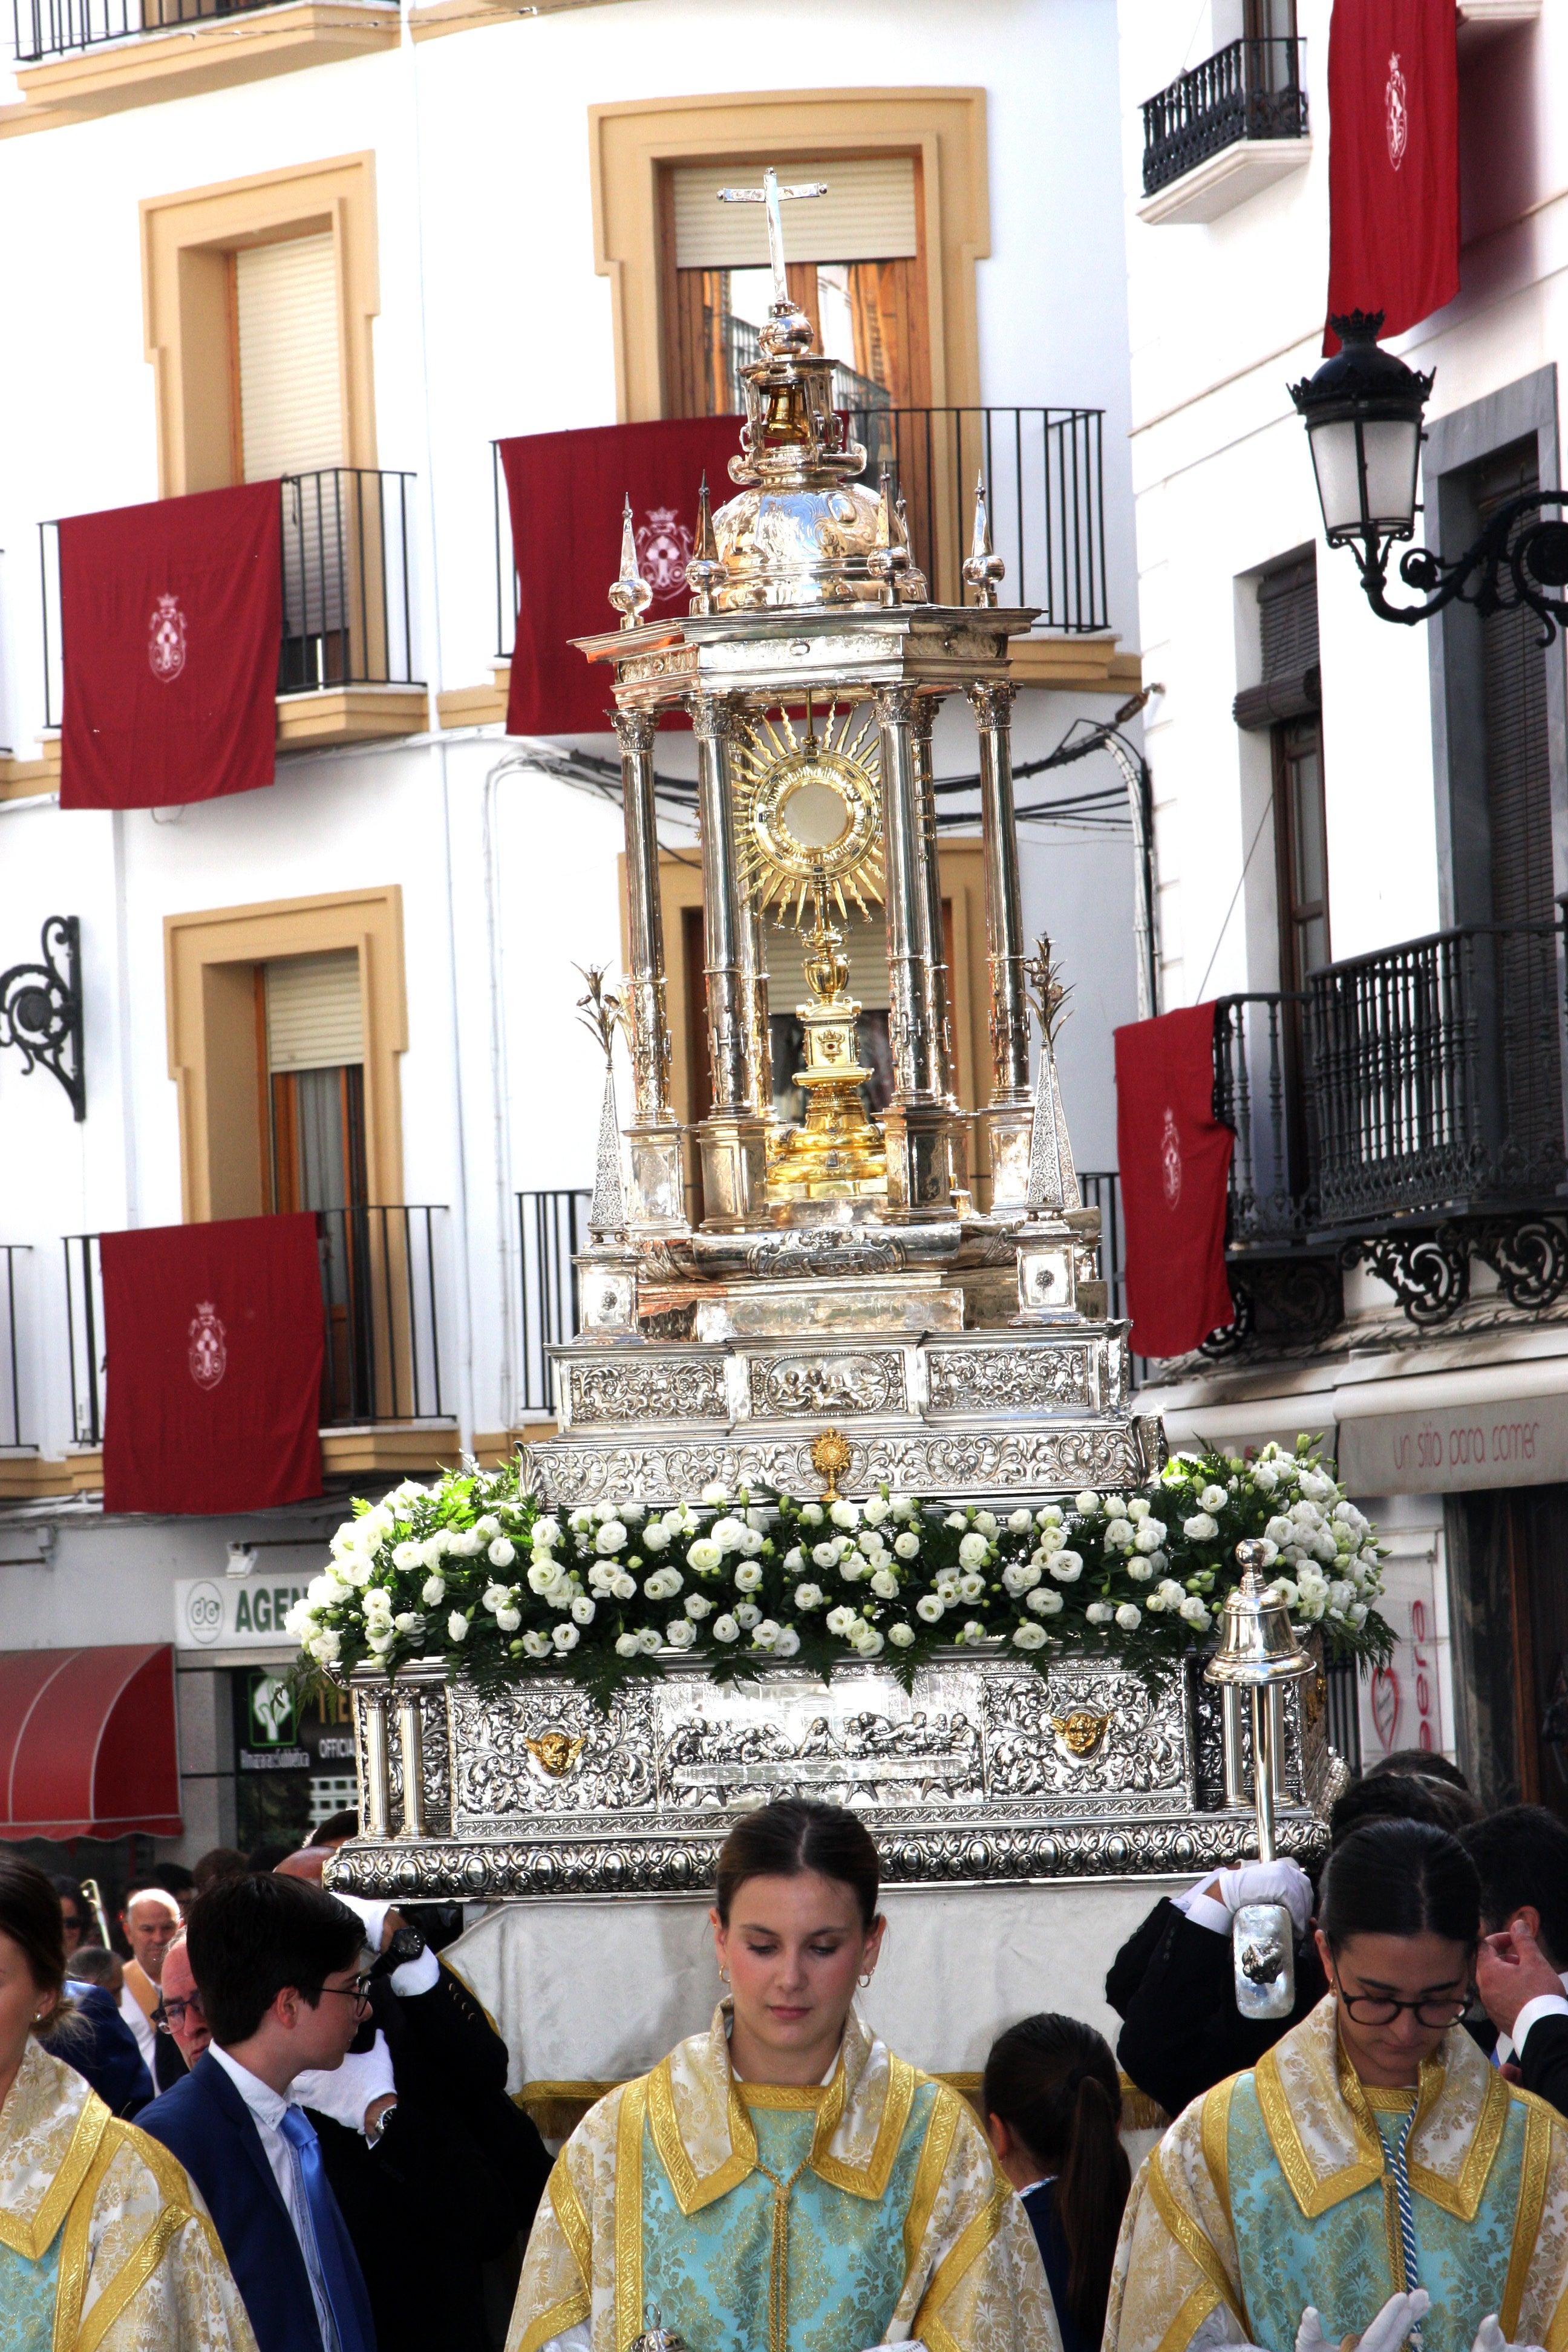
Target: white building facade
point(353, 247)
point(1381, 806)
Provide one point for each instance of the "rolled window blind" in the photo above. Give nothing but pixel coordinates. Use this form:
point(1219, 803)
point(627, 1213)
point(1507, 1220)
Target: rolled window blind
point(868, 213)
point(314, 1016)
point(291, 376)
point(864, 946)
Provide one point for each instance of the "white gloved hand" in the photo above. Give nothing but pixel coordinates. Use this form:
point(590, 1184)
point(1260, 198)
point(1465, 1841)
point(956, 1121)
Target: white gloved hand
point(1268, 1882)
point(1386, 2333)
point(1490, 2338)
point(373, 1914)
point(346, 2092)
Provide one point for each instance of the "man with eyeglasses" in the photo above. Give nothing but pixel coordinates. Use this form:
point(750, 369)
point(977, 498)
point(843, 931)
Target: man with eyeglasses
point(278, 1964)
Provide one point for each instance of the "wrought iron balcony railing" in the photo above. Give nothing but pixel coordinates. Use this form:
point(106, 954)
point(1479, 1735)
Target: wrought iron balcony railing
point(1251, 90)
point(552, 1227)
point(382, 1314)
point(12, 1420)
point(347, 585)
point(1405, 1111)
point(1044, 477)
point(729, 344)
point(53, 28)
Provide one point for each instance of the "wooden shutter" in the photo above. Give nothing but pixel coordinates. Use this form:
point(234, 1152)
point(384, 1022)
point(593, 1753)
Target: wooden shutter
point(1290, 686)
point(314, 1020)
point(289, 360)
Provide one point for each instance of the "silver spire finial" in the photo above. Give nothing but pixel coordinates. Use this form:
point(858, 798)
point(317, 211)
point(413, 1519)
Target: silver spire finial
point(982, 569)
point(631, 595)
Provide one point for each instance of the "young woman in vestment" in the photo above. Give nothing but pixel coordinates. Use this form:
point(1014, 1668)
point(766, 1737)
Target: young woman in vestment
point(104, 2244)
point(1373, 2177)
point(783, 2183)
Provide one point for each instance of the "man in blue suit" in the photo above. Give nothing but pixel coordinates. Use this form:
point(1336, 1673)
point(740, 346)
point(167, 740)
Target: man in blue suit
point(278, 1963)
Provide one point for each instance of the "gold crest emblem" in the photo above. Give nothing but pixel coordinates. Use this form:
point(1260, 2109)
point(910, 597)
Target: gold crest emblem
point(1080, 1733)
point(554, 1753)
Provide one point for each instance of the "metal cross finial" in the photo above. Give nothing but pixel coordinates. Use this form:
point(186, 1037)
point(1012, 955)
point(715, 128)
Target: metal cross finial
point(773, 195)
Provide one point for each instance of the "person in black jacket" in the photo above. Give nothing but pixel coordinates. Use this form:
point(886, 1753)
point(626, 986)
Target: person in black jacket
point(1521, 1855)
point(1173, 1982)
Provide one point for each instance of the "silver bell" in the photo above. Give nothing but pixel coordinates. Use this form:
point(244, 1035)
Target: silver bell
point(655, 2337)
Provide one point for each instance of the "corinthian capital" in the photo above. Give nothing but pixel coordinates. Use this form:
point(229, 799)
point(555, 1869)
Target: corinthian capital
point(898, 705)
point(992, 704)
point(715, 718)
point(637, 730)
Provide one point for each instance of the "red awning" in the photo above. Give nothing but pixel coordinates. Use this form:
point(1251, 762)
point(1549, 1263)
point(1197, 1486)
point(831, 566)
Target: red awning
point(87, 1742)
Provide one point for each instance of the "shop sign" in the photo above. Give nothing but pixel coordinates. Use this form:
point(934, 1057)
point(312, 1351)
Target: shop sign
point(225, 1612)
point(1506, 1443)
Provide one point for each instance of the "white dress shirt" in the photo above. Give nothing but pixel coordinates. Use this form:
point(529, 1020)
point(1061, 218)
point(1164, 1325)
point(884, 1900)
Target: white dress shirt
point(267, 2106)
point(1545, 2004)
point(140, 2025)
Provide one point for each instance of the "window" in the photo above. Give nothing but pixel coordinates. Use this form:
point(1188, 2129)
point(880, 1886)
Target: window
point(287, 380)
point(313, 1119)
point(856, 269)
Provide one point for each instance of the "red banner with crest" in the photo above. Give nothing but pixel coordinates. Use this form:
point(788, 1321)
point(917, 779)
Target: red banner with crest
point(213, 1337)
point(1175, 1159)
point(1394, 160)
point(171, 622)
point(565, 492)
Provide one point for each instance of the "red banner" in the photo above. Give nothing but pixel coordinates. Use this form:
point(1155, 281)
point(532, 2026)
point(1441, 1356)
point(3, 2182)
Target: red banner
point(214, 1336)
point(171, 621)
point(565, 492)
point(1175, 1157)
point(1394, 160)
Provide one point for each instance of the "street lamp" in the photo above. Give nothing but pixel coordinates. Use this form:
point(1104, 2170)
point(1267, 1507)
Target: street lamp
point(1363, 412)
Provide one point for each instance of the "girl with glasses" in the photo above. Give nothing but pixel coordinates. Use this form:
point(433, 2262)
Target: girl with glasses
point(1372, 2176)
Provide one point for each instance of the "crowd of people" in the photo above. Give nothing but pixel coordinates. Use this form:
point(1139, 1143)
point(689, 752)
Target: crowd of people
point(277, 2120)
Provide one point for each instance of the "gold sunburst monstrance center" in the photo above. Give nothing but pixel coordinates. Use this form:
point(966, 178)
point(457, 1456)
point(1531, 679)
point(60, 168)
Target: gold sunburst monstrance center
point(808, 813)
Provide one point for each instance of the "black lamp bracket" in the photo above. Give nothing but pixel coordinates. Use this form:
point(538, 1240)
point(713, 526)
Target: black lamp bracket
point(1503, 571)
point(40, 1008)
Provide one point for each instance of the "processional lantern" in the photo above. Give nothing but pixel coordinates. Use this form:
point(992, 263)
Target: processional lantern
point(1259, 1654)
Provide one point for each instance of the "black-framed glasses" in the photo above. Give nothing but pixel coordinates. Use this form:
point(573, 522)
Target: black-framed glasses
point(170, 2015)
point(1377, 2009)
point(359, 1991)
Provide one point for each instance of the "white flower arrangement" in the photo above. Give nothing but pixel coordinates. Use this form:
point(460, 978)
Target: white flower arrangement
point(473, 1569)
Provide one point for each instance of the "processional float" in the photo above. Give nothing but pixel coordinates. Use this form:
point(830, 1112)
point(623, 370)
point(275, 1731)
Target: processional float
point(833, 1314)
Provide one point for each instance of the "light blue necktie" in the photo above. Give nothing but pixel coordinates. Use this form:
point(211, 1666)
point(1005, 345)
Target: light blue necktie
point(325, 2221)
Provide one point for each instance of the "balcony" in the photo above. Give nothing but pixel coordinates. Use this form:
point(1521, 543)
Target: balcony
point(79, 58)
point(346, 665)
point(1232, 126)
point(386, 1395)
point(1406, 1112)
point(1045, 480)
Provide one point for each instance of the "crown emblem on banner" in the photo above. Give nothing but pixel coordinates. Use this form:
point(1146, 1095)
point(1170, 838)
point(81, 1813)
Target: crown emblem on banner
point(208, 1351)
point(166, 640)
point(1398, 100)
point(664, 547)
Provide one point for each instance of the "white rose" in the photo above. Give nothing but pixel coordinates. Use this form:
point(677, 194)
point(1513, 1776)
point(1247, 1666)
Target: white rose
point(885, 1584)
point(624, 1587)
point(495, 1596)
point(1129, 1616)
point(433, 1590)
point(1357, 1612)
point(1020, 1576)
point(930, 1607)
point(1100, 1613)
point(649, 1641)
point(381, 1643)
point(972, 1551)
point(1066, 1566)
point(748, 1577)
point(970, 1584)
point(566, 1637)
point(716, 1494)
point(680, 1633)
point(747, 1614)
point(907, 1546)
point(1027, 1636)
point(725, 1629)
point(704, 1554)
point(626, 1645)
point(824, 1555)
point(1119, 1535)
point(1171, 1593)
point(901, 1636)
point(870, 1641)
point(955, 1519)
point(502, 1552)
point(1139, 1570)
point(1193, 1610)
point(840, 1621)
point(697, 1606)
point(325, 1591)
point(765, 1633)
point(325, 1648)
point(509, 1620)
point(845, 1515)
point(583, 1610)
point(1045, 1602)
point(470, 1544)
point(656, 1537)
point(788, 1642)
point(1214, 1498)
point(543, 1574)
point(544, 1533)
point(812, 1515)
point(974, 1631)
point(1087, 1504)
point(456, 1627)
point(903, 1506)
point(986, 1522)
point(808, 1596)
point(1149, 1535)
point(1200, 1528)
point(877, 1510)
point(1019, 1523)
point(1265, 1477)
point(405, 1556)
point(1050, 1514)
point(611, 1536)
point(1051, 1539)
point(947, 1585)
point(729, 1534)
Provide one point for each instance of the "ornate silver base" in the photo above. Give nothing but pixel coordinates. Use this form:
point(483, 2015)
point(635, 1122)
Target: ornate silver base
point(990, 1769)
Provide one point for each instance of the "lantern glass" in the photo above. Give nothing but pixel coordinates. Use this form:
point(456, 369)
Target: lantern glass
point(1366, 476)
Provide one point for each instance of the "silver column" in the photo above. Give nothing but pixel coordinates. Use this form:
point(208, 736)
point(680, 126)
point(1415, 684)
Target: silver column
point(938, 1075)
point(916, 1125)
point(657, 1188)
point(376, 1778)
point(733, 1139)
point(754, 944)
point(411, 1743)
point(1009, 1118)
